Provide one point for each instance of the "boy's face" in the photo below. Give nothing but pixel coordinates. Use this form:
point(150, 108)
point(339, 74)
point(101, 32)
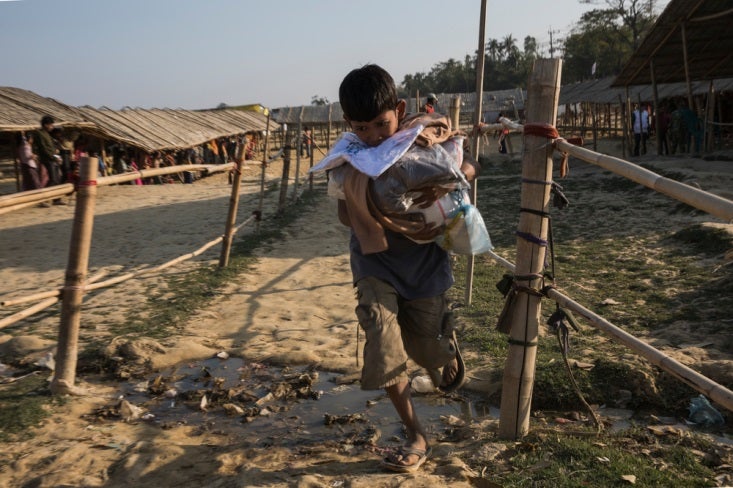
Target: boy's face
point(373, 132)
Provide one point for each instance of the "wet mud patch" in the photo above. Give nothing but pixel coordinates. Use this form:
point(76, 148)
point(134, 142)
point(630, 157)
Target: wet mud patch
point(269, 405)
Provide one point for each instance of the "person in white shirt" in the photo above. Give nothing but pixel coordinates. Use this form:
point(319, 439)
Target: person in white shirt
point(640, 123)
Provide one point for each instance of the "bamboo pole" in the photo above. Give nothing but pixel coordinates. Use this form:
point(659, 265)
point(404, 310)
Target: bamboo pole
point(476, 140)
point(713, 204)
point(543, 92)
point(18, 316)
point(298, 148)
point(711, 389)
point(328, 132)
point(455, 113)
point(35, 196)
point(226, 246)
point(16, 164)
point(285, 175)
point(76, 271)
point(47, 294)
point(24, 199)
point(263, 170)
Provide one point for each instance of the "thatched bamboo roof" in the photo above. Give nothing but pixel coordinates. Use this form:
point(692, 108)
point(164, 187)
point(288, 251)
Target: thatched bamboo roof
point(22, 110)
point(705, 26)
point(492, 101)
point(150, 130)
point(603, 91)
point(167, 129)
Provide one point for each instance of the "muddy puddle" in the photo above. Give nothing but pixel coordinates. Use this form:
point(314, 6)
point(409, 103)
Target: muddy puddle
point(270, 404)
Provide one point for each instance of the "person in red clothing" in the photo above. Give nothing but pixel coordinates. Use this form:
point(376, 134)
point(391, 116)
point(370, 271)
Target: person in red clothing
point(429, 106)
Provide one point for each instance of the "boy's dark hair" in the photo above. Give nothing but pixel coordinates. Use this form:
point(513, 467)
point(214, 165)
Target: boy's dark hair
point(47, 119)
point(366, 92)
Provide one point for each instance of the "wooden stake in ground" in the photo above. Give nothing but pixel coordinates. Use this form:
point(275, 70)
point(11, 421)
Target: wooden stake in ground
point(543, 92)
point(76, 273)
point(226, 246)
point(263, 171)
point(286, 174)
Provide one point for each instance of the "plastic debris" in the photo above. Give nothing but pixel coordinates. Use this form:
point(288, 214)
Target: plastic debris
point(704, 414)
point(422, 384)
point(128, 411)
point(47, 361)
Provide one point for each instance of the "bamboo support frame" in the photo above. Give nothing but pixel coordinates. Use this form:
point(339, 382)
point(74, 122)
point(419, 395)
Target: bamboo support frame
point(543, 92)
point(52, 296)
point(76, 272)
point(716, 392)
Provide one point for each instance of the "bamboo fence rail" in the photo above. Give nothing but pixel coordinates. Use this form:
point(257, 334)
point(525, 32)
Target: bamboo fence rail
point(700, 199)
point(16, 201)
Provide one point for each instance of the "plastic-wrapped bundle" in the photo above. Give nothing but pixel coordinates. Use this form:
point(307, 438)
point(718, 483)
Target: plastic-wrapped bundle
point(420, 167)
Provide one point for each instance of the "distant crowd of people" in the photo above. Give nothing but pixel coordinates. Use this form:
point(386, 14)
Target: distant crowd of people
point(675, 124)
point(50, 156)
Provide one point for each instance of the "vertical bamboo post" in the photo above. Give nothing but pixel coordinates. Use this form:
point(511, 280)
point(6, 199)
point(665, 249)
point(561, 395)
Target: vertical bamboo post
point(312, 158)
point(286, 173)
point(76, 273)
point(709, 119)
point(226, 243)
point(328, 132)
point(16, 165)
point(655, 107)
point(543, 91)
point(594, 120)
point(299, 147)
point(476, 140)
point(265, 159)
point(455, 112)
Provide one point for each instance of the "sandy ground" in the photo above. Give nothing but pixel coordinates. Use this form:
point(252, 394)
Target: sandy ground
point(294, 307)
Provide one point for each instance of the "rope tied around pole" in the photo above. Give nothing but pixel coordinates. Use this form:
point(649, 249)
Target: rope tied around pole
point(548, 131)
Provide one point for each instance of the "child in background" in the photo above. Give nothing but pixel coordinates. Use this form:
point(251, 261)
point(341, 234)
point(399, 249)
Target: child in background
point(401, 290)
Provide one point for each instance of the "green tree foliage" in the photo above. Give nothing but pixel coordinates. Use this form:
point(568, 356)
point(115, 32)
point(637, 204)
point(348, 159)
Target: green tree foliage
point(318, 100)
point(606, 36)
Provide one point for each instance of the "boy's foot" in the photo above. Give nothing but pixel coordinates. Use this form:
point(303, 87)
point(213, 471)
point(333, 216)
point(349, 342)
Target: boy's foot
point(406, 459)
point(454, 373)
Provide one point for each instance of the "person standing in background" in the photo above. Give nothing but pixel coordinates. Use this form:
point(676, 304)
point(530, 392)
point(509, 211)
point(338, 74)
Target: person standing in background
point(430, 104)
point(47, 153)
point(33, 174)
point(640, 123)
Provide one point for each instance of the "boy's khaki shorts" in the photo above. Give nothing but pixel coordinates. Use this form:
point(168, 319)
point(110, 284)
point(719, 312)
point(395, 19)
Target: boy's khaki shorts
point(396, 329)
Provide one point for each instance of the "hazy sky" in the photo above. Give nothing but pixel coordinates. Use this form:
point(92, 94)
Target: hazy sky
point(199, 53)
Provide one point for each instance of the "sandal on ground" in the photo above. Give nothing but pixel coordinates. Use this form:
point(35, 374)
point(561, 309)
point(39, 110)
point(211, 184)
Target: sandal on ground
point(460, 374)
point(392, 462)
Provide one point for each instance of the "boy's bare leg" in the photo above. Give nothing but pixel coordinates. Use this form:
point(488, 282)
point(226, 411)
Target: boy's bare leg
point(400, 396)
